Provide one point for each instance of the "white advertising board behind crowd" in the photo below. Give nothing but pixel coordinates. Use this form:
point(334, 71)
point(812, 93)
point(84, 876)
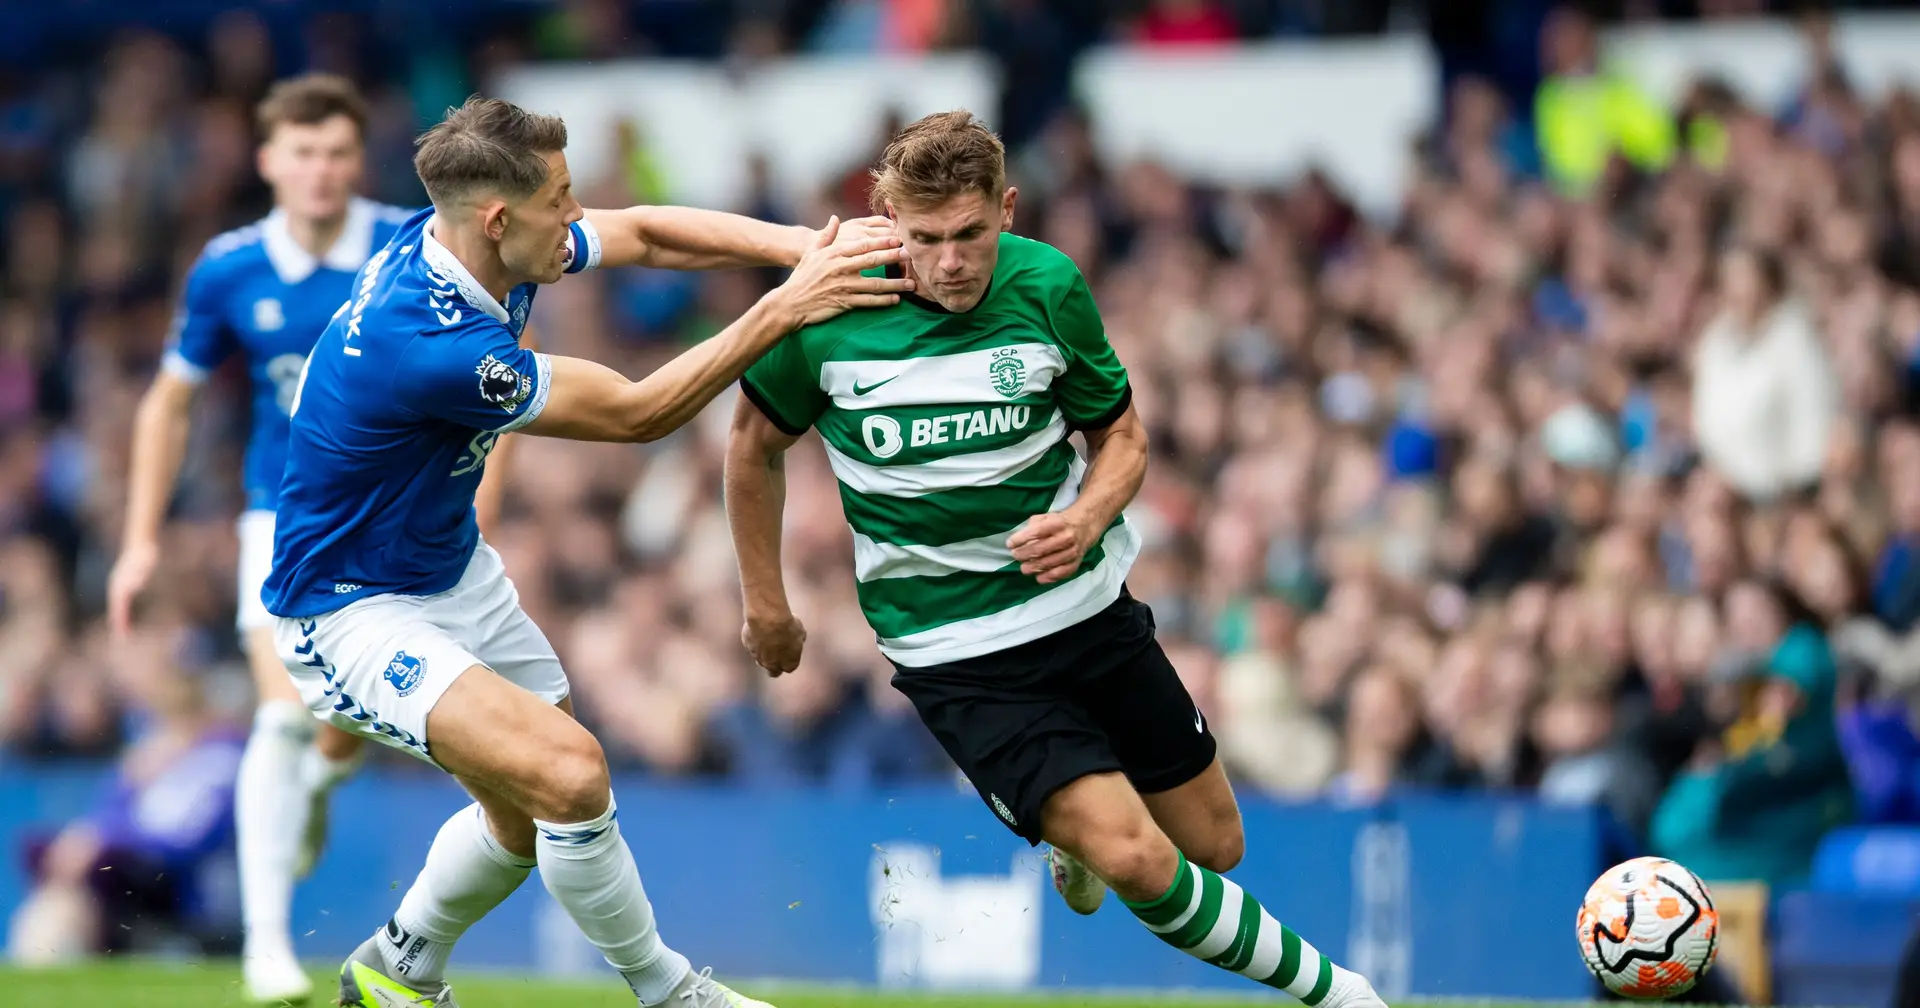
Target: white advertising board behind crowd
point(1766, 61)
point(1264, 113)
point(1258, 114)
point(811, 118)
point(1251, 116)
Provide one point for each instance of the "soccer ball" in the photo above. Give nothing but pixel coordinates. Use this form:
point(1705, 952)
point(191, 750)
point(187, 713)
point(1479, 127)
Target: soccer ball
point(1648, 929)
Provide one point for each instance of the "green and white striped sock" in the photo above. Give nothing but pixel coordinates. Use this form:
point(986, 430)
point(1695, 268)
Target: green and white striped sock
point(1210, 918)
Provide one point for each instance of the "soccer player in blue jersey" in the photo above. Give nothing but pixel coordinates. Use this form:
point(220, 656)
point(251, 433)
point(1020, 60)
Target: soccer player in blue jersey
point(396, 619)
point(264, 292)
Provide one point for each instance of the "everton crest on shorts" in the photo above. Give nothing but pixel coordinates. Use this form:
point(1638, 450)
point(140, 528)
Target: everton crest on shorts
point(404, 673)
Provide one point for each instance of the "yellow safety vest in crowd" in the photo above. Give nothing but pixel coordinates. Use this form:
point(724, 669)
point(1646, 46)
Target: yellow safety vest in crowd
point(1582, 120)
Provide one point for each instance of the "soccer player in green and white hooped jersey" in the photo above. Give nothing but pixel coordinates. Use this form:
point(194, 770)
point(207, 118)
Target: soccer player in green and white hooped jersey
point(992, 559)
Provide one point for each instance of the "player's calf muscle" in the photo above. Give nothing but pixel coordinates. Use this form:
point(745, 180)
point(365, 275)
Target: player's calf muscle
point(511, 826)
point(1202, 818)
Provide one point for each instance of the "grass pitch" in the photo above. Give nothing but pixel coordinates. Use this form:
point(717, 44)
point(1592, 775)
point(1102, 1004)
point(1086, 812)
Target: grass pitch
point(217, 985)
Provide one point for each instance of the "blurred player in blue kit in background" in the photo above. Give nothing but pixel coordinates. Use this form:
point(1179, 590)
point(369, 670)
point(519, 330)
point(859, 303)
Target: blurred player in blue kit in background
point(265, 292)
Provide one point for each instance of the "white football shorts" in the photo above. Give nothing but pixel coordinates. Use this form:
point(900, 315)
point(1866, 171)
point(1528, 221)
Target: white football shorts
point(256, 562)
point(377, 667)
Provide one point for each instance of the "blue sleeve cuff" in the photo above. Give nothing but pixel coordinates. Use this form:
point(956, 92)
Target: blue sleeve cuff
point(542, 385)
point(583, 246)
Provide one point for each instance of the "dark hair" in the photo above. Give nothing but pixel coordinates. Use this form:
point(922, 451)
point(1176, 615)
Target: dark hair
point(1857, 572)
point(487, 145)
point(1794, 610)
point(309, 100)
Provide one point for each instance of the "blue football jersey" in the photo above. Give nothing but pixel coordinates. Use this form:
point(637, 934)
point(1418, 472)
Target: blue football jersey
point(402, 398)
point(256, 292)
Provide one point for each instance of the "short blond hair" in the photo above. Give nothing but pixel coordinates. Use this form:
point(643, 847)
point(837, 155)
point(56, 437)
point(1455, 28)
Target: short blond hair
point(937, 158)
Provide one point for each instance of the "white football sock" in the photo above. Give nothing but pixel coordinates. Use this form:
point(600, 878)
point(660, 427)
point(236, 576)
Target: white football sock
point(590, 872)
point(270, 812)
point(319, 773)
point(467, 874)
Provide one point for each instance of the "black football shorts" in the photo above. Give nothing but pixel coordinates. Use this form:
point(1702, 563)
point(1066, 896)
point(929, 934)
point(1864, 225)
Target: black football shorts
point(1096, 697)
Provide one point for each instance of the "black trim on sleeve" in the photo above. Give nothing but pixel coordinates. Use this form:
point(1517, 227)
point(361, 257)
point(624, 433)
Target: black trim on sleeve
point(761, 403)
point(1110, 417)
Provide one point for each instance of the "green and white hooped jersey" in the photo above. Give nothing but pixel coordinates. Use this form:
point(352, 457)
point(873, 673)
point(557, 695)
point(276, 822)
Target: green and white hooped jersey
point(947, 432)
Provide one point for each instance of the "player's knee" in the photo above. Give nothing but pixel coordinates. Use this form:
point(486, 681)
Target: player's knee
point(1136, 859)
point(573, 784)
point(1223, 850)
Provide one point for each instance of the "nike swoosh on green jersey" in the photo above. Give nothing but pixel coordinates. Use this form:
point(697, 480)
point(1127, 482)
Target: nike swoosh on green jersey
point(860, 390)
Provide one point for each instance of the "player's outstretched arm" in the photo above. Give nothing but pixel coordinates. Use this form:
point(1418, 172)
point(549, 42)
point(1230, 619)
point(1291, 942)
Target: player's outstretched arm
point(159, 443)
point(756, 496)
point(685, 238)
point(200, 341)
point(591, 402)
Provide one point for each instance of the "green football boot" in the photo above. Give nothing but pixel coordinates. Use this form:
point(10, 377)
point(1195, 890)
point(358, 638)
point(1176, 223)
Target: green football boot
point(364, 983)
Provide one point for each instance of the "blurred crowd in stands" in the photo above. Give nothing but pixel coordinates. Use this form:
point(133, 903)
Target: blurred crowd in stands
point(1594, 472)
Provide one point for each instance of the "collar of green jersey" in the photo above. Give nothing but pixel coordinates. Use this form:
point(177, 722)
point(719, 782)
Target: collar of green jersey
point(894, 271)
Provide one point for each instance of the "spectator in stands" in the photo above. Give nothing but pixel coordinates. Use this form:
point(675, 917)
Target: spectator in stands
point(1583, 452)
point(53, 701)
point(805, 728)
point(1585, 115)
point(1498, 543)
point(1896, 574)
point(1881, 675)
point(1269, 735)
point(1185, 23)
point(1479, 123)
point(1702, 123)
point(125, 175)
point(1883, 756)
point(1488, 739)
point(1387, 747)
point(835, 722)
point(1033, 45)
point(152, 865)
point(1764, 400)
point(1585, 762)
point(650, 302)
point(1661, 712)
point(1756, 806)
point(849, 193)
point(587, 29)
point(1899, 251)
point(1818, 565)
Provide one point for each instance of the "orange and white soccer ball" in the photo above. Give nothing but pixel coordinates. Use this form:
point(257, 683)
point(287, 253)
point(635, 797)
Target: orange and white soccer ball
point(1648, 929)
